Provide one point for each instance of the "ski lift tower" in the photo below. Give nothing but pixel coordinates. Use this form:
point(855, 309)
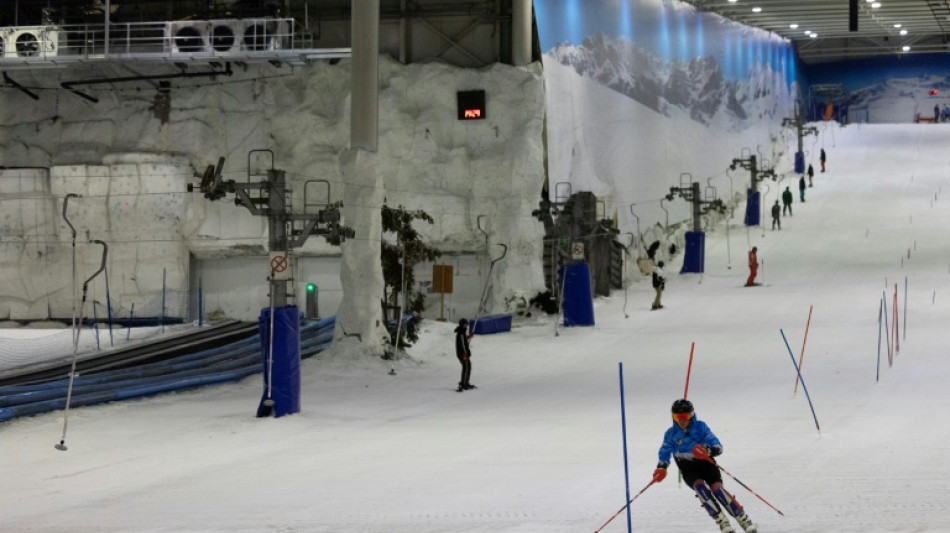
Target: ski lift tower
point(749, 162)
point(694, 258)
point(798, 122)
point(279, 323)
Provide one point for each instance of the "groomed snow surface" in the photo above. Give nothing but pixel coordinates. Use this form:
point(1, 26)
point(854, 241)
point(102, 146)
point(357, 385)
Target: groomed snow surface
point(538, 448)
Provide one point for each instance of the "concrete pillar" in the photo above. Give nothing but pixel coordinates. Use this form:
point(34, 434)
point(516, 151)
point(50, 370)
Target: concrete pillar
point(521, 32)
point(364, 99)
point(359, 318)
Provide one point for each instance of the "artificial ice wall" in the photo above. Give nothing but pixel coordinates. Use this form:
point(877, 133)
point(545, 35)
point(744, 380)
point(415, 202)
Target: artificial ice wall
point(640, 92)
point(130, 156)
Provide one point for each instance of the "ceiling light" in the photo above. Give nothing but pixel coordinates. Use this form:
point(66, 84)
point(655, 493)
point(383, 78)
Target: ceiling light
point(898, 25)
point(870, 1)
point(906, 48)
point(733, 1)
point(875, 5)
point(903, 32)
point(793, 26)
point(756, 9)
point(813, 35)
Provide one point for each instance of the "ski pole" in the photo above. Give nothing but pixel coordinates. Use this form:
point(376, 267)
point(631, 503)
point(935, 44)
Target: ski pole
point(700, 453)
point(611, 519)
point(746, 487)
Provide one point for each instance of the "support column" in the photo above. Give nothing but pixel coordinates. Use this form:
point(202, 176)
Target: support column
point(359, 318)
point(364, 100)
point(521, 19)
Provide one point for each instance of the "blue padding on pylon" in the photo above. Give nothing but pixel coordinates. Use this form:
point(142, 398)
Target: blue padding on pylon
point(578, 301)
point(694, 256)
point(799, 162)
point(284, 386)
point(752, 208)
point(489, 324)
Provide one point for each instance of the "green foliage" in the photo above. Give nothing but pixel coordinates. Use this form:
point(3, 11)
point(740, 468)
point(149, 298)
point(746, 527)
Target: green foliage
point(408, 247)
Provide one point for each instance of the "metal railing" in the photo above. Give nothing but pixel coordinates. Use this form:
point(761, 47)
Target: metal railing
point(185, 39)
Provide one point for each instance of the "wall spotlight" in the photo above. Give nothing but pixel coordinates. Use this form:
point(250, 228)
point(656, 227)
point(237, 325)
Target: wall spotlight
point(906, 48)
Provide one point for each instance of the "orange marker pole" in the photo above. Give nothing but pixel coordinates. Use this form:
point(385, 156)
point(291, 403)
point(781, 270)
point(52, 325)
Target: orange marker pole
point(801, 357)
point(689, 369)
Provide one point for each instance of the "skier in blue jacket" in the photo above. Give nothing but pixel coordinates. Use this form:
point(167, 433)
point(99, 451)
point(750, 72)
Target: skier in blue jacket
point(693, 445)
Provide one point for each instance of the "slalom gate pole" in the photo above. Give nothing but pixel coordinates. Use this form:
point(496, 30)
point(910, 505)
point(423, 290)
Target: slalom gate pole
point(623, 430)
point(897, 341)
point(689, 369)
point(746, 487)
point(879, 335)
point(798, 370)
point(626, 506)
point(887, 330)
point(905, 307)
point(801, 358)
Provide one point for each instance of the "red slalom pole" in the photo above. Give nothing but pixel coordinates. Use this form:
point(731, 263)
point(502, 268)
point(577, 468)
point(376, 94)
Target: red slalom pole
point(689, 370)
point(801, 357)
point(611, 519)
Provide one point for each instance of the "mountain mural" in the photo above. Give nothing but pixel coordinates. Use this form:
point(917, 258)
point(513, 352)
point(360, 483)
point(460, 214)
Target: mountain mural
point(698, 87)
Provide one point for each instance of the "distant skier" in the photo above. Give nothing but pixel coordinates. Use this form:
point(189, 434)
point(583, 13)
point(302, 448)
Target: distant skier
point(787, 201)
point(801, 187)
point(753, 266)
point(693, 445)
point(811, 174)
point(822, 158)
point(464, 354)
point(776, 216)
point(936, 113)
point(659, 284)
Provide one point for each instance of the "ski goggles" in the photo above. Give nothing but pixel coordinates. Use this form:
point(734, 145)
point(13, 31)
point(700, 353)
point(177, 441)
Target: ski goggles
point(682, 417)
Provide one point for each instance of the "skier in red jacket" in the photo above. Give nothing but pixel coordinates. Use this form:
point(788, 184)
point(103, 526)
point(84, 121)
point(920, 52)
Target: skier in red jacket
point(753, 266)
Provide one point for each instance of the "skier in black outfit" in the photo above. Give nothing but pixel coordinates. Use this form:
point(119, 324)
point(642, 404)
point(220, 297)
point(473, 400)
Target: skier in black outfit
point(464, 353)
point(811, 174)
point(659, 284)
point(693, 445)
point(787, 202)
point(776, 212)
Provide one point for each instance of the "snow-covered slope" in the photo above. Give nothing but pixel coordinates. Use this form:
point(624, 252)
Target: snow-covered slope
point(537, 448)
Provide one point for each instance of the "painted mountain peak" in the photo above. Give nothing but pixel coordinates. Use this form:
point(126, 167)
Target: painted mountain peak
point(697, 87)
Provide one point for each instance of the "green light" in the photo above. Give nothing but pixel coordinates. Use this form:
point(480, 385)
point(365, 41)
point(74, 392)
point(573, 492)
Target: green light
point(311, 287)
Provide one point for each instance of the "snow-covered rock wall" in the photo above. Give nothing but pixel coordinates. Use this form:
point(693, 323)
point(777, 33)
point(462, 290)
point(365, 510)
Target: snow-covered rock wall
point(130, 162)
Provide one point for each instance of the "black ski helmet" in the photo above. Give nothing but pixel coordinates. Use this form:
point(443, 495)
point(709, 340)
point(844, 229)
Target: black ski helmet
point(463, 322)
point(682, 406)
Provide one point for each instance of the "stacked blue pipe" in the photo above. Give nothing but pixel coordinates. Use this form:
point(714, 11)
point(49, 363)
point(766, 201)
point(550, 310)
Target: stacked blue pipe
point(228, 363)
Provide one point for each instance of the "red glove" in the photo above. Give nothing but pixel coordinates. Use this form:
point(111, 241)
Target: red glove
point(659, 475)
point(700, 452)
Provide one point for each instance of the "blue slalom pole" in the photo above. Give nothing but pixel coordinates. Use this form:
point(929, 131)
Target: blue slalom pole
point(879, 325)
point(623, 426)
point(810, 405)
